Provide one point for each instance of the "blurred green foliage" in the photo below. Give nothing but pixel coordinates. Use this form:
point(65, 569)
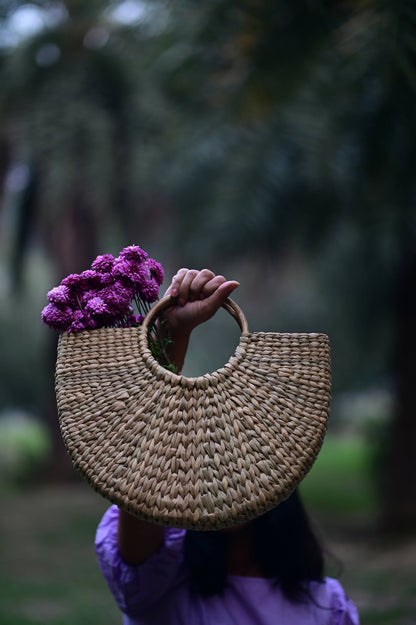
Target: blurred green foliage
point(24, 449)
point(342, 480)
point(24, 378)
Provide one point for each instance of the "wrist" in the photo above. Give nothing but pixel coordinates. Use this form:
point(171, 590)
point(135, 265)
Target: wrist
point(178, 329)
point(179, 333)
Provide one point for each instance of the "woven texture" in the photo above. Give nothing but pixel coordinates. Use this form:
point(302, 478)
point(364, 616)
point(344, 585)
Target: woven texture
point(198, 453)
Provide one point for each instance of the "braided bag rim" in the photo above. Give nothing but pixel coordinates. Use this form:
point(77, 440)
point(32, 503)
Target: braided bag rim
point(199, 453)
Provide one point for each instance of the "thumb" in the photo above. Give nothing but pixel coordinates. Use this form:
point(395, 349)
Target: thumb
point(224, 291)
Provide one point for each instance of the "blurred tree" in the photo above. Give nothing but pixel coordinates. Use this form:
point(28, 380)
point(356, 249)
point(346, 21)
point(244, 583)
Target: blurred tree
point(65, 108)
point(62, 104)
point(80, 113)
point(327, 160)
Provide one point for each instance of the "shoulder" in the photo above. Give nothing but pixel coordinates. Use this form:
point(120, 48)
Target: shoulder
point(331, 595)
point(136, 587)
point(169, 555)
point(107, 534)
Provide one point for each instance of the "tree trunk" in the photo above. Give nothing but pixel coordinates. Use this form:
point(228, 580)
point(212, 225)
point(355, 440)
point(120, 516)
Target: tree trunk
point(399, 496)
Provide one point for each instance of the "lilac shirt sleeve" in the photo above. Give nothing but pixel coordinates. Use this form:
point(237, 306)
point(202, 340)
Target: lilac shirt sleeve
point(343, 610)
point(136, 588)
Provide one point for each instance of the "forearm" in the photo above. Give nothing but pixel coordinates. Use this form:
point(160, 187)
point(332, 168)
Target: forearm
point(178, 346)
point(137, 540)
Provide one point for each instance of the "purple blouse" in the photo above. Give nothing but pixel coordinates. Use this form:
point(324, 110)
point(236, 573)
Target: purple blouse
point(157, 592)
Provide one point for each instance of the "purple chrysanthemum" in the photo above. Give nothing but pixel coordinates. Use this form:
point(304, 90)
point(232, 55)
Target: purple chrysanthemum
point(149, 291)
point(73, 280)
point(133, 253)
point(106, 279)
point(156, 270)
point(90, 323)
point(78, 322)
point(118, 297)
point(85, 296)
point(134, 320)
point(103, 263)
point(96, 306)
point(90, 279)
point(60, 296)
point(130, 270)
point(104, 295)
point(57, 318)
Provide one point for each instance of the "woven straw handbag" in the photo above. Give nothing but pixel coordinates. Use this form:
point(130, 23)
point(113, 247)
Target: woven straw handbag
point(197, 453)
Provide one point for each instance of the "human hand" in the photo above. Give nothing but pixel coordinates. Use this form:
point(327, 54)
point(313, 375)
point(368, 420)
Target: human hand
point(199, 295)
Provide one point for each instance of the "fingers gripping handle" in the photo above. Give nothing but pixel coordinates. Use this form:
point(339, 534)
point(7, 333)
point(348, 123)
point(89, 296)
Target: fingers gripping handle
point(229, 305)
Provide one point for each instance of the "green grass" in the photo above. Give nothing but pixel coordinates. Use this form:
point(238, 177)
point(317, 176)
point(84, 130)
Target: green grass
point(342, 479)
point(48, 569)
point(49, 573)
point(340, 492)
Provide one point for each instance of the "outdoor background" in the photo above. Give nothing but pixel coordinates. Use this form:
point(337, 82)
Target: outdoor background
point(272, 141)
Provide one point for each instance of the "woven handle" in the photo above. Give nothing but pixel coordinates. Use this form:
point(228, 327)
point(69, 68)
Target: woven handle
point(229, 305)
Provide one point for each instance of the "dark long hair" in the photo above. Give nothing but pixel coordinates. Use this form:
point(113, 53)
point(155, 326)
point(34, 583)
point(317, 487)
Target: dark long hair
point(285, 546)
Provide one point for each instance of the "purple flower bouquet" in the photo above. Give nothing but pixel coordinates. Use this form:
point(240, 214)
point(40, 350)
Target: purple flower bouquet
point(114, 293)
